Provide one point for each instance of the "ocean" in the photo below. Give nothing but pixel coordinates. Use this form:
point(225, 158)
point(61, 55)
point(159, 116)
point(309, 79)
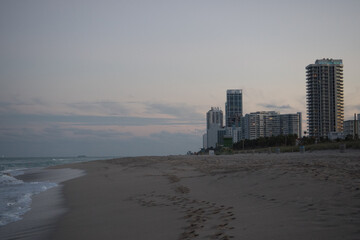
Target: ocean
point(15, 194)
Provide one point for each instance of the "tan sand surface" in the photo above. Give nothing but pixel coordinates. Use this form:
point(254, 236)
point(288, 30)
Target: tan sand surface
point(246, 196)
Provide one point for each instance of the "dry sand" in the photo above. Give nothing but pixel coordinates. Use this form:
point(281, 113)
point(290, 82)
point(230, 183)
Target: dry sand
point(246, 196)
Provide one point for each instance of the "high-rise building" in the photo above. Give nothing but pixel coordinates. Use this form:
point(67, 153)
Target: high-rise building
point(214, 123)
point(233, 107)
point(325, 97)
point(214, 116)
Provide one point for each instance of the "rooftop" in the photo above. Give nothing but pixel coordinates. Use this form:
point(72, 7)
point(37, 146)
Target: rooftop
point(329, 61)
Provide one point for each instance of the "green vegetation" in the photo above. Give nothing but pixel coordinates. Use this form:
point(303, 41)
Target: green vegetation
point(285, 143)
point(265, 142)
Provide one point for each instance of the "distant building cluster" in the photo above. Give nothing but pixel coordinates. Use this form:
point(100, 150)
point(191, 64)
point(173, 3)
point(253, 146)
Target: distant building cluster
point(325, 112)
point(249, 126)
point(352, 127)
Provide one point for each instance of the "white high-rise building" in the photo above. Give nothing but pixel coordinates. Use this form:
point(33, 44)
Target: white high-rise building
point(214, 117)
point(325, 97)
point(214, 123)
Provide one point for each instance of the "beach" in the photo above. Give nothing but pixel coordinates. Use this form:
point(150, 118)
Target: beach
point(245, 196)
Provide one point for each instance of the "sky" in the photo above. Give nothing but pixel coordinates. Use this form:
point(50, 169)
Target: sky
point(131, 78)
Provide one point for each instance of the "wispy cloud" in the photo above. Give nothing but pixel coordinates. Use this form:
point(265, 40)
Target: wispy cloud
point(17, 106)
point(274, 106)
point(86, 132)
point(355, 107)
point(36, 127)
point(177, 110)
point(23, 119)
point(105, 107)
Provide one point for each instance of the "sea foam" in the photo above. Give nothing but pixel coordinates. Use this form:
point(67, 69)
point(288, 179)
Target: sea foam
point(15, 197)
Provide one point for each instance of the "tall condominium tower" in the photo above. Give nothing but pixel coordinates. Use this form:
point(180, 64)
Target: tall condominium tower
point(214, 123)
point(214, 117)
point(234, 107)
point(325, 97)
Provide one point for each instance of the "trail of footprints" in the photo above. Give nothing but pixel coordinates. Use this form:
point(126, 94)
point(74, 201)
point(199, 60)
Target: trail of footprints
point(202, 217)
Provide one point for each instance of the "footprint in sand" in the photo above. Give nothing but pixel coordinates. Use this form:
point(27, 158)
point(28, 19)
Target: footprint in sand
point(203, 218)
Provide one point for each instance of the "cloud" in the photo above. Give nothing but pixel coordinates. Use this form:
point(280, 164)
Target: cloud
point(353, 107)
point(274, 106)
point(178, 110)
point(105, 107)
point(99, 133)
point(133, 113)
point(17, 106)
point(166, 135)
point(23, 119)
point(98, 128)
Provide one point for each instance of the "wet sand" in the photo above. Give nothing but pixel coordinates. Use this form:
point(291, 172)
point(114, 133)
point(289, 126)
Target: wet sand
point(46, 208)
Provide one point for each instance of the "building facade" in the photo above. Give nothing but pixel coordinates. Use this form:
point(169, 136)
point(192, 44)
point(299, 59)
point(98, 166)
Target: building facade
point(214, 117)
point(271, 123)
point(291, 124)
point(205, 141)
point(220, 136)
point(352, 127)
point(214, 123)
point(261, 124)
point(233, 107)
point(325, 97)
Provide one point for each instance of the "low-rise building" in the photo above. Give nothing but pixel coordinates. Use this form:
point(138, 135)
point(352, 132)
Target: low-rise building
point(336, 135)
point(351, 128)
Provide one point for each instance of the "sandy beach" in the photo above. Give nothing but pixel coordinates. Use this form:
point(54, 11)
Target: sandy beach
point(246, 196)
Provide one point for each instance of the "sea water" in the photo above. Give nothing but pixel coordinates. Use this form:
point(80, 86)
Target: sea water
point(15, 194)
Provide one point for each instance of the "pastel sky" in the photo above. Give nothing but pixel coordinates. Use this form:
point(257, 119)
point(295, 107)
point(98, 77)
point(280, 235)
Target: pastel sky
point(125, 78)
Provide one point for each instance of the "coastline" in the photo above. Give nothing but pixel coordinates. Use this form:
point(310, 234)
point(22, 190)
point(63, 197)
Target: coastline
point(46, 207)
point(247, 196)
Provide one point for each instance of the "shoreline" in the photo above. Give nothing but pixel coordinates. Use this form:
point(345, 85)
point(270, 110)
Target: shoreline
point(46, 207)
point(245, 196)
